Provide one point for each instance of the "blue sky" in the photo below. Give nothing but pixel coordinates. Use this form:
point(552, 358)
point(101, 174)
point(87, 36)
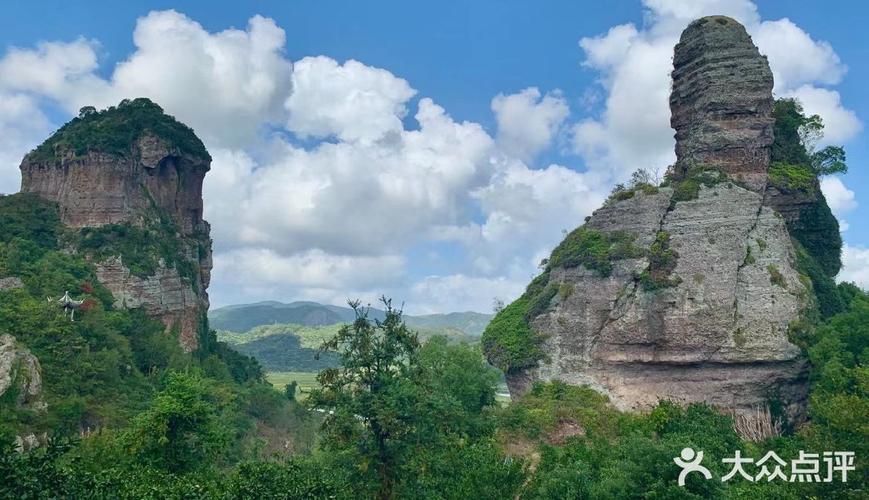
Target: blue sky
point(470, 189)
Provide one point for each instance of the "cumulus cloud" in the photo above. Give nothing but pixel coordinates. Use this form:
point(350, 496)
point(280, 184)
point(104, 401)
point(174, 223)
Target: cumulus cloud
point(840, 198)
point(840, 124)
point(528, 121)
point(633, 130)
point(855, 266)
point(354, 197)
point(225, 85)
point(320, 190)
point(350, 101)
point(22, 126)
point(459, 292)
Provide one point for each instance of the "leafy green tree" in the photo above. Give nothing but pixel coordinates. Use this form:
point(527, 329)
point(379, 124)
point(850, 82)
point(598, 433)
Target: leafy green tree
point(181, 431)
point(290, 390)
point(795, 138)
point(371, 401)
point(458, 371)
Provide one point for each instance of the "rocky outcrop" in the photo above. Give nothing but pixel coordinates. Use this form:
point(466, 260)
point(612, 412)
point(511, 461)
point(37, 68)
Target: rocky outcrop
point(154, 183)
point(164, 294)
point(721, 101)
point(10, 283)
point(20, 373)
point(686, 291)
point(717, 333)
point(100, 188)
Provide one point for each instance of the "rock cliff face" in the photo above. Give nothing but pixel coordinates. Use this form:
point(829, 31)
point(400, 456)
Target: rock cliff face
point(684, 291)
point(20, 372)
point(721, 101)
point(134, 167)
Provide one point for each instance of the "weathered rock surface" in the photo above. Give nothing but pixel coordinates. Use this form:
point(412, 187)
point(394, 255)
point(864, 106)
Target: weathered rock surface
point(155, 179)
point(716, 330)
point(721, 101)
point(20, 372)
point(165, 294)
point(720, 335)
point(99, 188)
point(10, 282)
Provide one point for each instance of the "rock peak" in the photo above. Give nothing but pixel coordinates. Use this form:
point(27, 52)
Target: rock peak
point(129, 177)
point(721, 101)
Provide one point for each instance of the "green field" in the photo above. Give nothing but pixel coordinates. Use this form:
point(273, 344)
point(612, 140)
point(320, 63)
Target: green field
point(306, 381)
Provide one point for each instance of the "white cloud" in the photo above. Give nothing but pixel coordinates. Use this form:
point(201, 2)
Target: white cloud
point(633, 130)
point(840, 124)
point(527, 121)
point(350, 101)
point(794, 57)
point(54, 69)
point(22, 126)
point(354, 197)
point(225, 85)
point(312, 268)
point(855, 266)
point(459, 292)
point(840, 198)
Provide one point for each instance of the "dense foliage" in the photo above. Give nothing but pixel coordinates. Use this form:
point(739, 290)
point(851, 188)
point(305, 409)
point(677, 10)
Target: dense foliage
point(116, 131)
point(594, 249)
point(794, 171)
point(410, 421)
point(581, 447)
point(391, 409)
point(116, 369)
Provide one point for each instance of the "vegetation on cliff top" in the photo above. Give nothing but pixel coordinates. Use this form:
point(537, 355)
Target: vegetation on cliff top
point(116, 130)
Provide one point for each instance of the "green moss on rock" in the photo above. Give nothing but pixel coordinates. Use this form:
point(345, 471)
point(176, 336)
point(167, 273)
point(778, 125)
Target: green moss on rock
point(688, 187)
point(788, 178)
point(594, 249)
point(775, 276)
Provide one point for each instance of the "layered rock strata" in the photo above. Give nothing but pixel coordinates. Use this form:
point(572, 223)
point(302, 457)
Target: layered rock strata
point(721, 101)
point(700, 310)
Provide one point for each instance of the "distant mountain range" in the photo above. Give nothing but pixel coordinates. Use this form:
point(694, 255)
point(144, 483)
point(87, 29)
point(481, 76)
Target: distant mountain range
point(241, 318)
point(285, 337)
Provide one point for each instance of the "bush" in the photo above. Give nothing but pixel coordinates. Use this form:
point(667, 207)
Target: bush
point(594, 249)
point(662, 263)
point(509, 342)
point(688, 187)
point(789, 178)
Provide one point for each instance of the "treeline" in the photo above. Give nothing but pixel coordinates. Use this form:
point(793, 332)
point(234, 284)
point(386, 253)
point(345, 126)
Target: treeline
point(404, 420)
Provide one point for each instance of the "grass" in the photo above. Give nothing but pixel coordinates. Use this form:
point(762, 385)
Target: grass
point(306, 381)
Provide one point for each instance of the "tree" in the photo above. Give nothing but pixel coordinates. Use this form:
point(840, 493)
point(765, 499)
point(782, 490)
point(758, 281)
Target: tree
point(290, 390)
point(796, 137)
point(459, 372)
point(86, 111)
point(181, 430)
point(371, 400)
